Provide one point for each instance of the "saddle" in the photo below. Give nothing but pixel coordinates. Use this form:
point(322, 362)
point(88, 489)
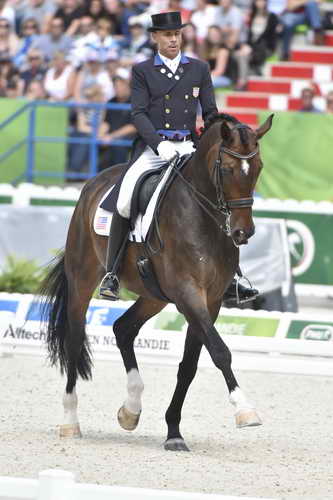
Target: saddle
point(143, 191)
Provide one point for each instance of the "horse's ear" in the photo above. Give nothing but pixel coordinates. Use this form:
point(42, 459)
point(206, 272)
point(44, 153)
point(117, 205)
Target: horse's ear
point(264, 127)
point(225, 132)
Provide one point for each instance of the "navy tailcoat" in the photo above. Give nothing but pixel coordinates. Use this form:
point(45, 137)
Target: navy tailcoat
point(166, 101)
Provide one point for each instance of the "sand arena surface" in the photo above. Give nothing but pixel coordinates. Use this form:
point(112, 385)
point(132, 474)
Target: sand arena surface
point(290, 456)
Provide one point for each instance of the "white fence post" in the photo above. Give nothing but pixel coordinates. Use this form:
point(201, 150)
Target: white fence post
point(55, 484)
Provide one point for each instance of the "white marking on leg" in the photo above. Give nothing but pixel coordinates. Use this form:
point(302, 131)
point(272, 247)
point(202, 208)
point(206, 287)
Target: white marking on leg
point(245, 166)
point(238, 400)
point(70, 408)
point(135, 389)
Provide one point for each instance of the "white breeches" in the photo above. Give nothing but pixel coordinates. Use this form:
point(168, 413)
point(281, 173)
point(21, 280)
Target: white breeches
point(146, 161)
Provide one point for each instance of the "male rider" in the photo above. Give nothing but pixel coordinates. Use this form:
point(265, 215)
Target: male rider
point(166, 91)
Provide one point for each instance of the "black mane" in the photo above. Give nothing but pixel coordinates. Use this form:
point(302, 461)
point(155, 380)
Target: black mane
point(216, 117)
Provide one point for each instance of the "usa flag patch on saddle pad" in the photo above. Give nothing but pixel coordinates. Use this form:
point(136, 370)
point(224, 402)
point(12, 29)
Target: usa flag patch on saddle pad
point(103, 218)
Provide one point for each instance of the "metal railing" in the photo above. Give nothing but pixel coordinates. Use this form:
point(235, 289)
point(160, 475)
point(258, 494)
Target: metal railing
point(32, 139)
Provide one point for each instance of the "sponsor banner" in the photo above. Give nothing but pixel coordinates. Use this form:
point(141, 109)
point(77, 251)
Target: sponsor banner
point(162, 336)
point(100, 312)
point(8, 308)
point(32, 337)
point(309, 238)
point(310, 330)
point(20, 325)
point(169, 319)
point(247, 326)
point(229, 322)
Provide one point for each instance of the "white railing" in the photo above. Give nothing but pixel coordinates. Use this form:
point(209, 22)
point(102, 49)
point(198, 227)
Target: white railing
point(55, 484)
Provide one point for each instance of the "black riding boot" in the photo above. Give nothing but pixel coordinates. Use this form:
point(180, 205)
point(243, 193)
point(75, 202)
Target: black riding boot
point(120, 227)
point(238, 294)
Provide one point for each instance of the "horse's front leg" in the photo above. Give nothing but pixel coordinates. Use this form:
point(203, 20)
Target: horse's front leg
point(186, 373)
point(126, 328)
point(199, 317)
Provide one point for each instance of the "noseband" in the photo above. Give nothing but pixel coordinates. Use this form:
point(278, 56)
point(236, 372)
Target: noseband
point(226, 205)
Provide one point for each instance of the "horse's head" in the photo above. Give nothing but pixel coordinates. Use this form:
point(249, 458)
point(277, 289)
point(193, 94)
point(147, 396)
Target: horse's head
point(235, 164)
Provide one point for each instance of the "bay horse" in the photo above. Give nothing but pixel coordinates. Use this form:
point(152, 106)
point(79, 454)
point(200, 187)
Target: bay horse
point(205, 216)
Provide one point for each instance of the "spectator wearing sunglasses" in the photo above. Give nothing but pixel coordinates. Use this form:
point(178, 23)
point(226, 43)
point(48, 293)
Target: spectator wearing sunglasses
point(41, 10)
point(29, 31)
point(35, 69)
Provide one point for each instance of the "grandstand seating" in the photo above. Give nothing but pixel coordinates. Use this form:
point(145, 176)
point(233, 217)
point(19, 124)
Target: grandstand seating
point(280, 88)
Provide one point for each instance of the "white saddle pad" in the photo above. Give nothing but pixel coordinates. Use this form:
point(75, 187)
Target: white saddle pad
point(103, 218)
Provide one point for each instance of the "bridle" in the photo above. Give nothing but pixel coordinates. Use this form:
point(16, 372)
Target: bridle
point(222, 206)
point(226, 205)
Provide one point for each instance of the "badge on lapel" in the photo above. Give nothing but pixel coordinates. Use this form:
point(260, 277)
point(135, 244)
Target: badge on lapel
point(196, 91)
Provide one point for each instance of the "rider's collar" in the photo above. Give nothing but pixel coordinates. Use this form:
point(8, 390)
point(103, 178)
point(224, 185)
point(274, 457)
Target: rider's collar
point(158, 61)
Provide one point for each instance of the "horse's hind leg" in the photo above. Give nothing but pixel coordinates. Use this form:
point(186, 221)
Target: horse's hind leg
point(126, 328)
point(186, 373)
point(82, 281)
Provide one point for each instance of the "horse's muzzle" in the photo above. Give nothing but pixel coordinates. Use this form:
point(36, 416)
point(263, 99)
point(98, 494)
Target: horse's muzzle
point(240, 237)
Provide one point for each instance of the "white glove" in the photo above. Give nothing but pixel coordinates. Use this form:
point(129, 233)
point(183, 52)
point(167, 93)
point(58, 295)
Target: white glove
point(166, 150)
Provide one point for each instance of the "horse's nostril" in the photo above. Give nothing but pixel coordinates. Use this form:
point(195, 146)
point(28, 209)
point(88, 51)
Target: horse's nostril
point(251, 232)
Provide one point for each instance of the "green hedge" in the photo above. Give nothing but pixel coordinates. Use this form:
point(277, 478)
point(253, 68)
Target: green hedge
point(25, 276)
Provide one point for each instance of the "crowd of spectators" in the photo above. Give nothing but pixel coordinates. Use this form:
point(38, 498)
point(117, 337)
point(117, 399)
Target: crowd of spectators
point(83, 50)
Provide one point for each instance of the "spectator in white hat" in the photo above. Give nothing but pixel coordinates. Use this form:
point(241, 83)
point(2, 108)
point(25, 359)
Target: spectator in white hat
point(93, 73)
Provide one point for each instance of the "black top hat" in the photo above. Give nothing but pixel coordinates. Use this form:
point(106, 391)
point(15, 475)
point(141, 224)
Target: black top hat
point(166, 21)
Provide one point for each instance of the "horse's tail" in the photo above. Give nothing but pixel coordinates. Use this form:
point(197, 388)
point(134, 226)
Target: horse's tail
point(54, 297)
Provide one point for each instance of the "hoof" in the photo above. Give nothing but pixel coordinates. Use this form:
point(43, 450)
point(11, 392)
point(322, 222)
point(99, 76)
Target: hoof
point(175, 444)
point(247, 418)
point(70, 431)
point(128, 420)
